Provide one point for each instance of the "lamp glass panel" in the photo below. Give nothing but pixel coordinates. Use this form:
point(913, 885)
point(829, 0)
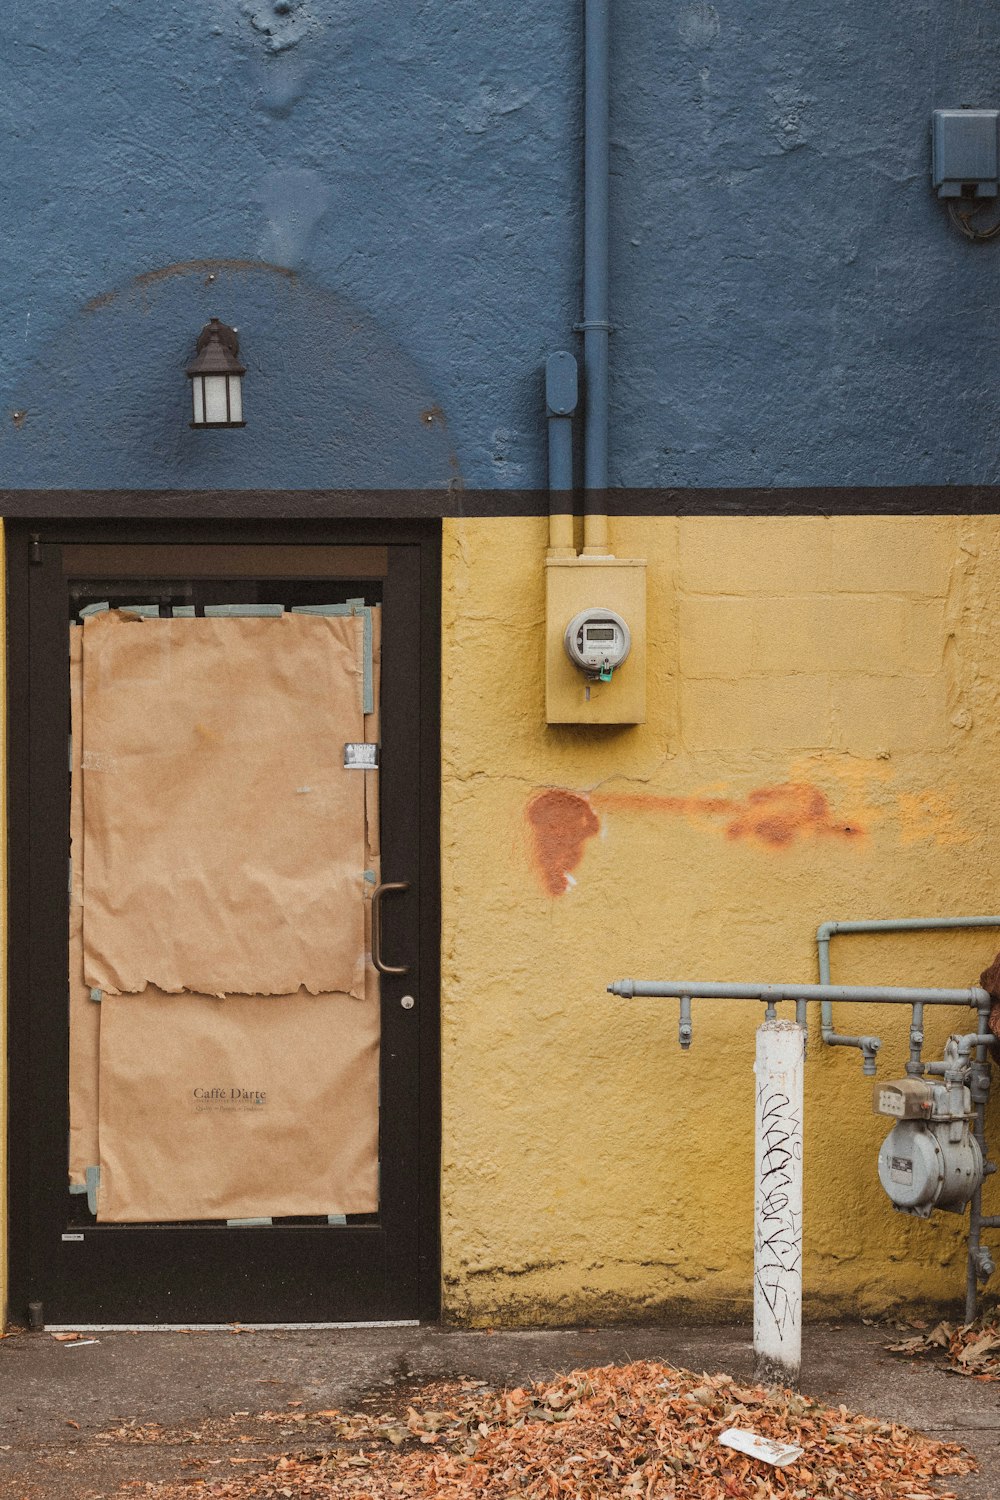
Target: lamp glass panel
point(235, 398)
point(216, 409)
point(198, 400)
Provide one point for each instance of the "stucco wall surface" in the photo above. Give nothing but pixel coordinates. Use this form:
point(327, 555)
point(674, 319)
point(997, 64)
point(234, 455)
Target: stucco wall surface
point(791, 306)
point(4, 1242)
point(822, 743)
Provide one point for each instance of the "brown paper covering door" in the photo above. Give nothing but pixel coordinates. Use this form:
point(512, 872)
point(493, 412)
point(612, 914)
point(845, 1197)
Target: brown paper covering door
point(223, 839)
point(194, 1106)
point(237, 1108)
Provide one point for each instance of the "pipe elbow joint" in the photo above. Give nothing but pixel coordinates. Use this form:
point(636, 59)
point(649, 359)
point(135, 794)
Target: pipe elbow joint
point(826, 930)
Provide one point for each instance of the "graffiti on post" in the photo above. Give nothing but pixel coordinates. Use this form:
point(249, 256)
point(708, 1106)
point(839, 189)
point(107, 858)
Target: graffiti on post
point(778, 1209)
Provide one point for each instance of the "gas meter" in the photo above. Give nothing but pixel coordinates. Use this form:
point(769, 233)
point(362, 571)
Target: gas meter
point(597, 641)
point(931, 1158)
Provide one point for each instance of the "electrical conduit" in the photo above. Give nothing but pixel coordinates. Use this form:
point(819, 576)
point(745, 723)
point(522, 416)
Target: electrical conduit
point(595, 326)
point(560, 404)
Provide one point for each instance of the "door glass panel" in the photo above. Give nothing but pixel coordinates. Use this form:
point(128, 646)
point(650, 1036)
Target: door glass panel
point(224, 1011)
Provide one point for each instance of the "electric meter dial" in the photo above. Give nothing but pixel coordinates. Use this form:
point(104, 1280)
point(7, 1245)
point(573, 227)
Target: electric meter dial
point(597, 641)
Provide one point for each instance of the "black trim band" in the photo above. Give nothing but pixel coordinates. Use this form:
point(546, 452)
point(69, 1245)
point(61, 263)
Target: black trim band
point(323, 505)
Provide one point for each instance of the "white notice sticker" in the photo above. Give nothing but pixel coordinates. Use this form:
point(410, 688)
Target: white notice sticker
point(360, 757)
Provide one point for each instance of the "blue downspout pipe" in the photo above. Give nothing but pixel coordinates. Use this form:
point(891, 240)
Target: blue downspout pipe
point(595, 325)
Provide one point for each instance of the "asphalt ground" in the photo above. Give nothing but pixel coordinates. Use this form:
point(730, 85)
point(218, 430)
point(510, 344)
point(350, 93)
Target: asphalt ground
point(134, 1408)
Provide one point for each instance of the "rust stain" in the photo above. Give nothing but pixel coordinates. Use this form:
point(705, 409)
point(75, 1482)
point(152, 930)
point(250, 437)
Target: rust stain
point(777, 815)
point(433, 416)
point(561, 822)
point(184, 268)
point(687, 807)
point(774, 816)
point(929, 815)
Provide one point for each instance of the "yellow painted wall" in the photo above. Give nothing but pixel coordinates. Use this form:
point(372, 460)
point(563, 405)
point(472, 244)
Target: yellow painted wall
point(823, 741)
point(3, 929)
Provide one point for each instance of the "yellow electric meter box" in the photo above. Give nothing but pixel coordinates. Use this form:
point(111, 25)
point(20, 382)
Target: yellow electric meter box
point(595, 640)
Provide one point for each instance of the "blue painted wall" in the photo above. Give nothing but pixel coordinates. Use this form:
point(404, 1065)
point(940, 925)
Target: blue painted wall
point(792, 307)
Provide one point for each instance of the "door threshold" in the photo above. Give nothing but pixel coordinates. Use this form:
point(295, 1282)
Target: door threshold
point(221, 1327)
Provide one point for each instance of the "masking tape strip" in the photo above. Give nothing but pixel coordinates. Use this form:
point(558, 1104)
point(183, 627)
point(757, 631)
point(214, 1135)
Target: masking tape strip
point(351, 607)
point(92, 609)
point(233, 611)
point(97, 996)
point(78, 1187)
point(369, 683)
point(248, 1223)
point(183, 611)
point(359, 607)
point(93, 1176)
point(336, 1219)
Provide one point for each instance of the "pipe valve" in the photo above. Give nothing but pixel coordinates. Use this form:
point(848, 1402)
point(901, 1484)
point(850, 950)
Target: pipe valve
point(869, 1054)
point(984, 1263)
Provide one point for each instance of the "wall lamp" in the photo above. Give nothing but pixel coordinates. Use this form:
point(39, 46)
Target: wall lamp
point(216, 377)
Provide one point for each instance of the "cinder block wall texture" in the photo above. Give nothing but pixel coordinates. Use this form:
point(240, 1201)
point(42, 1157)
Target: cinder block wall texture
point(822, 743)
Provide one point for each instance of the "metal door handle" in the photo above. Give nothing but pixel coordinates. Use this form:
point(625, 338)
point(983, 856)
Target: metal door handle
point(377, 894)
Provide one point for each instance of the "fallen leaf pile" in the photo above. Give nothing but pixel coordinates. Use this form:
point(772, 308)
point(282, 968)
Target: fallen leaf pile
point(641, 1432)
point(967, 1349)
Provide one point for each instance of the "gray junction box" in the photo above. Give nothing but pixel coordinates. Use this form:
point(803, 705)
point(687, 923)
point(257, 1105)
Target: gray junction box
point(966, 160)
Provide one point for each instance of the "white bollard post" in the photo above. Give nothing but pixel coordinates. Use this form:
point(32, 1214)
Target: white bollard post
point(777, 1204)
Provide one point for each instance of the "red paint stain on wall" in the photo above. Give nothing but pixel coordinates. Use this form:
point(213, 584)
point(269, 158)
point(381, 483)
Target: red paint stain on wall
point(777, 815)
point(771, 815)
point(561, 822)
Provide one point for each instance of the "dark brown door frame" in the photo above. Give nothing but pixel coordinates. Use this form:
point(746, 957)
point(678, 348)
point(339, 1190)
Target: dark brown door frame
point(26, 1130)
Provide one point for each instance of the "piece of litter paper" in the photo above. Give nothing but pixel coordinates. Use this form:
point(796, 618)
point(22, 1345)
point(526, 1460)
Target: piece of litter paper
point(79, 1343)
point(755, 1446)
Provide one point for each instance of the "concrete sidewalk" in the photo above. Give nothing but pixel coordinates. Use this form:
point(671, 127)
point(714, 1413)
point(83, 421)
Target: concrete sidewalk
point(182, 1381)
